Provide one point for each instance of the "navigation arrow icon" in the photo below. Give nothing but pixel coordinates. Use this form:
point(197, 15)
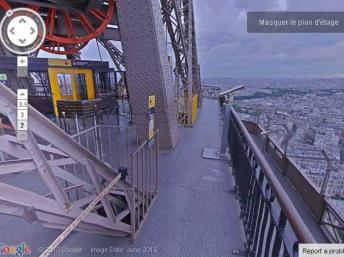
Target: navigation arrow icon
point(32, 30)
point(22, 41)
point(12, 30)
point(22, 20)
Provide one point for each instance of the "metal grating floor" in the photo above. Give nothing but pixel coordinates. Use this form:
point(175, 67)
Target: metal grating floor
point(194, 215)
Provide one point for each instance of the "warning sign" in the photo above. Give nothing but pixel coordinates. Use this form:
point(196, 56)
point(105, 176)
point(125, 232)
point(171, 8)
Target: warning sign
point(151, 113)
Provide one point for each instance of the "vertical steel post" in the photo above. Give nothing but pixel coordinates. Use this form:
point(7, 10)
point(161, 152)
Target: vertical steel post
point(146, 176)
point(128, 144)
point(142, 180)
point(267, 129)
point(189, 13)
point(257, 128)
point(137, 190)
point(118, 148)
point(150, 174)
point(133, 196)
point(327, 174)
point(65, 127)
point(157, 145)
point(224, 140)
point(285, 150)
point(111, 158)
point(77, 127)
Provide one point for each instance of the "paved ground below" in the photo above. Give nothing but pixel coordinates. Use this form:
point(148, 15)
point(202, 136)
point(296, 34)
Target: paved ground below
point(195, 214)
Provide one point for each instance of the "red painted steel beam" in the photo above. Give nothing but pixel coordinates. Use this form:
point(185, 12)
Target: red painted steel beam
point(69, 25)
point(73, 40)
point(63, 49)
point(92, 31)
point(50, 22)
point(4, 5)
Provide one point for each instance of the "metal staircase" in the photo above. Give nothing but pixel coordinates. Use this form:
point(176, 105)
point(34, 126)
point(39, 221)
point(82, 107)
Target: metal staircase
point(59, 177)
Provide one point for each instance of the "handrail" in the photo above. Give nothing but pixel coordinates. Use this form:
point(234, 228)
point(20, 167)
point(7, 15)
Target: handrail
point(101, 126)
point(48, 131)
point(301, 231)
point(156, 132)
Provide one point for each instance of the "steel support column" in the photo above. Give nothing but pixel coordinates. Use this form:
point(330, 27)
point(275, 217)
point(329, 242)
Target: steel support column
point(147, 67)
point(179, 18)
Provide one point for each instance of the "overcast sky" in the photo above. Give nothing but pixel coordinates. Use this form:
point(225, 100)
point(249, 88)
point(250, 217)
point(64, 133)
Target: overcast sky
point(227, 50)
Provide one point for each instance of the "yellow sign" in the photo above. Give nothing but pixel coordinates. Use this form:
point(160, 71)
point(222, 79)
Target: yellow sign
point(151, 102)
point(151, 105)
point(60, 62)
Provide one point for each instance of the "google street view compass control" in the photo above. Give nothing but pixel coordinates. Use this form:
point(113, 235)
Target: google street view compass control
point(23, 31)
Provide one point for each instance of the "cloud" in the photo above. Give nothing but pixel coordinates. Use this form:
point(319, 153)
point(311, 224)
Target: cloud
point(242, 16)
point(281, 5)
point(227, 50)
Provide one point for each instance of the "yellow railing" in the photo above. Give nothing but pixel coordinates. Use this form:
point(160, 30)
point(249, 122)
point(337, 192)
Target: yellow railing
point(194, 109)
point(183, 117)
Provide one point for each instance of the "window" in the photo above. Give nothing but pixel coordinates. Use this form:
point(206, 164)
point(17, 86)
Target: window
point(65, 84)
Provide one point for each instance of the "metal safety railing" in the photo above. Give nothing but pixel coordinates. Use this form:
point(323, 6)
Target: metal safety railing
point(64, 177)
point(144, 178)
point(321, 187)
point(76, 183)
point(119, 147)
point(111, 144)
point(273, 226)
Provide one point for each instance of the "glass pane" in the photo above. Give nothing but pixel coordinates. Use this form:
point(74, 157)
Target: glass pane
point(65, 84)
point(81, 86)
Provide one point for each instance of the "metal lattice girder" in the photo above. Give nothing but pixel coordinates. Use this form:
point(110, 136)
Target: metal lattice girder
point(173, 18)
point(118, 59)
point(147, 68)
point(48, 156)
point(179, 18)
point(115, 54)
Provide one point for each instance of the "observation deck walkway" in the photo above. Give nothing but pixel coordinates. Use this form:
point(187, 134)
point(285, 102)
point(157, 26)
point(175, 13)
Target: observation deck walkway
point(195, 213)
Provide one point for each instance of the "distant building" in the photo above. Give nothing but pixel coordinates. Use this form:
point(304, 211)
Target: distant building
point(325, 138)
